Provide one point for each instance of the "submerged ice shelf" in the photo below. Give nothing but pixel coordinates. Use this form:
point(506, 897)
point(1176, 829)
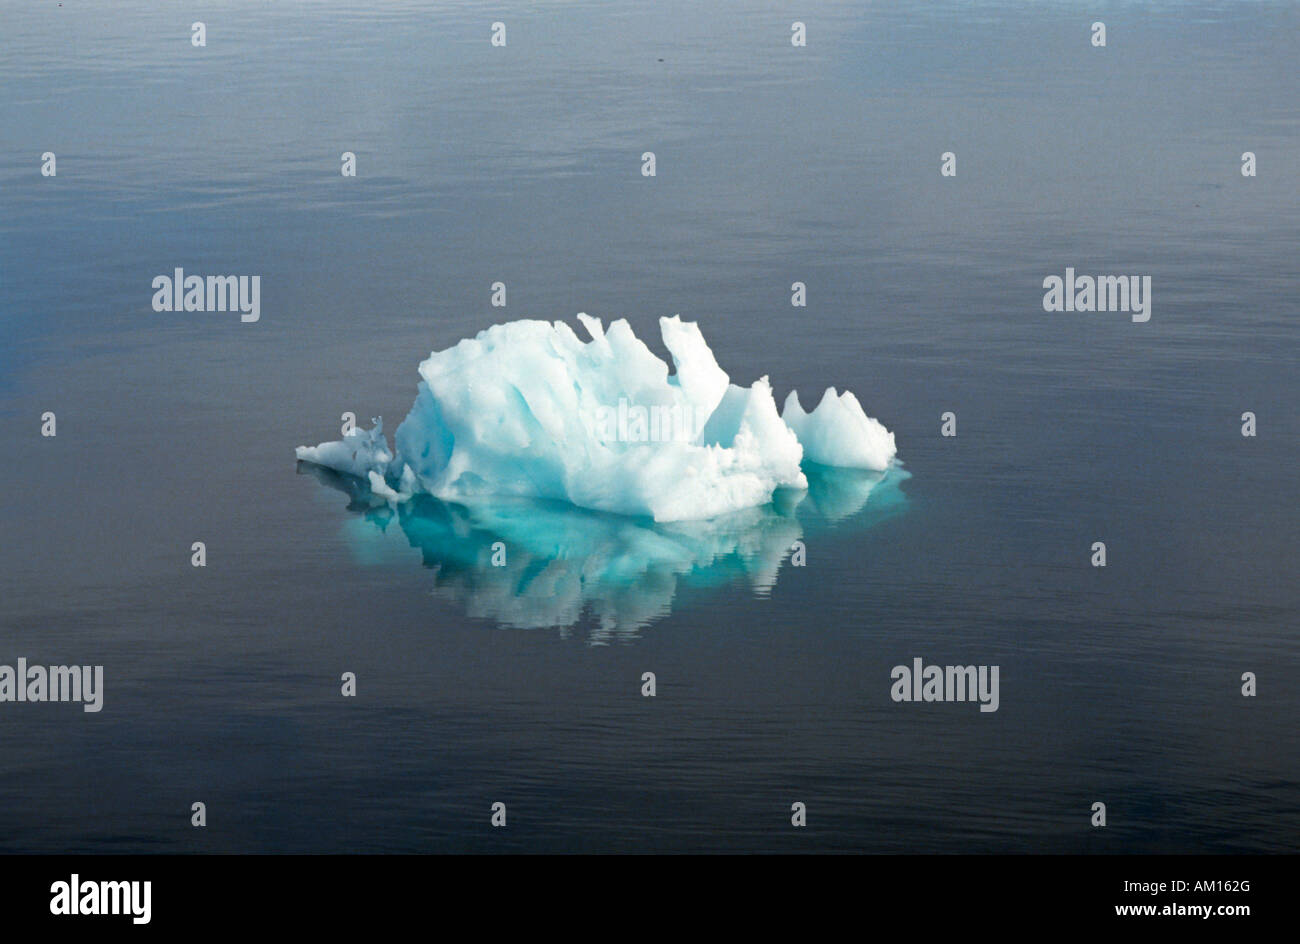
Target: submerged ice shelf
point(532, 563)
point(527, 409)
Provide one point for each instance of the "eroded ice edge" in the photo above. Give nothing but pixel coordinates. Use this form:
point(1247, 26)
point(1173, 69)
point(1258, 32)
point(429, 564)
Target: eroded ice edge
point(527, 409)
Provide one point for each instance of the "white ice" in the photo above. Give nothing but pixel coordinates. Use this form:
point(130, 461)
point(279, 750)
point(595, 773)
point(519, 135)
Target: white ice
point(839, 433)
point(359, 453)
point(529, 409)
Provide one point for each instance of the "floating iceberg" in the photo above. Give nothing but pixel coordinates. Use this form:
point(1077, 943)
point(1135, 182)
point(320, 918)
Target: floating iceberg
point(838, 433)
point(527, 409)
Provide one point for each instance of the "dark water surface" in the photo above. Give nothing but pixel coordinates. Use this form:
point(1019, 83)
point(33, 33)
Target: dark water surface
point(775, 164)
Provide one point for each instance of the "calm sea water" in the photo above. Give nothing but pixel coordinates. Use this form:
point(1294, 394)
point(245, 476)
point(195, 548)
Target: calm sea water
point(775, 164)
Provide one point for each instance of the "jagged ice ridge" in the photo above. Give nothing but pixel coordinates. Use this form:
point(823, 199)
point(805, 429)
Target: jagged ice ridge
point(528, 408)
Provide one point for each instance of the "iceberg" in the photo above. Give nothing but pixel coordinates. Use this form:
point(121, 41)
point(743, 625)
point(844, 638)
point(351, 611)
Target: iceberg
point(838, 432)
point(527, 409)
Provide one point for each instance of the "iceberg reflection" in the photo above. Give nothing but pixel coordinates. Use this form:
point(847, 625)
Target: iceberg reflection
point(530, 563)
